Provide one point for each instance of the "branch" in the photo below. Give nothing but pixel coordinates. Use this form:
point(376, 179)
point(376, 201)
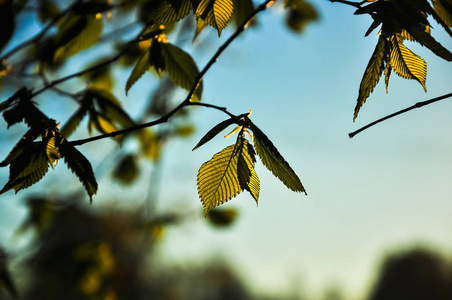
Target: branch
point(39, 36)
point(187, 100)
point(417, 105)
point(355, 4)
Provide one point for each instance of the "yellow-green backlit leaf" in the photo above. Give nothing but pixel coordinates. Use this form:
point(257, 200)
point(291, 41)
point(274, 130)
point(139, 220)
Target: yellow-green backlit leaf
point(372, 74)
point(140, 68)
point(247, 175)
point(406, 64)
point(181, 67)
point(274, 162)
point(217, 13)
point(223, 177)
point(445, 14)
point(87, 37)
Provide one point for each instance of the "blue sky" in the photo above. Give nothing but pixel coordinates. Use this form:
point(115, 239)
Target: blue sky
point(384, 189)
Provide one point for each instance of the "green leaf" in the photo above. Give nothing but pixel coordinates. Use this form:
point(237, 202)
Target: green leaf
point(23, 144)
point(74, 121)
point(110, 107)
point(7, 23)
point(222, 217)
point(172, 11)
point(47, 10)
point(242, 10)
point(85, 38)
point(406, 64)
point(27, 168)
point(372, 74)
point(300, 14)
point(388, 71)
point(127, 170)
point(444, 10)
point(247, 175)
point(80, 166)
point(140, 68)
point(181, 67)
point(214, 131)
point(273, 160)
point(425, 39)
point(218, 179)
point(217, 13)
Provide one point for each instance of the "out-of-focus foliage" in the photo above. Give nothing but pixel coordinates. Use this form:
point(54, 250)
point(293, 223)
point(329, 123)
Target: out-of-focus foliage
point(414, 274)
point(402, 20)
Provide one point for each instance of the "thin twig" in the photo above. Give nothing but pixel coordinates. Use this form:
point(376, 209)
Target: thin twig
point(417, 105)
point(355, 4)
point(39, 36)
point(186, 101)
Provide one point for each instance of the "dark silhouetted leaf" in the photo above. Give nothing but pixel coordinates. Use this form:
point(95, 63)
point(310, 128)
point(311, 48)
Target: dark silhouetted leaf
point(242, 10)
point(300, 14)
point(222, 217)
point(372, 74)
point(214, 131)
point(274, 161)
point(7, 23)
point(80, 166)
point(247, 175)
point(74, 121)
point(127, 170)
point(172, 11)
point(27, 168)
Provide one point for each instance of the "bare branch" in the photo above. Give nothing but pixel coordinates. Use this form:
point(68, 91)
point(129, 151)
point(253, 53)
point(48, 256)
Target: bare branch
point(417, 105)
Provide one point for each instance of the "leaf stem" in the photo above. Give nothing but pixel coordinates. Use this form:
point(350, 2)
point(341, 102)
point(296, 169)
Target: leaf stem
point(355, 4)
point(185, 102)
point(417, 105)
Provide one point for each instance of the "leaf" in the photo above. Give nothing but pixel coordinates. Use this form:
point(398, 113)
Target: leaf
point(23, 144)
point(274, 161)
point(127, 170)
point(47, 10)
point(217, 13)
point(214, 131)
point(172, 11)
point(388, 71)
point(372, 74)
point(242, 10)
point(86, 38)
point(407, 64)
point(140, 68)
point(110, 107)
point(428, 41)
point(300, 14)
point(74, 121)
point(218, 179)
point(7, 23)
point(80, 166)
point(246, 173)
point(52, 151)
point(27, 168)
point(181, 67)
point(222, 217)
point(444, 10)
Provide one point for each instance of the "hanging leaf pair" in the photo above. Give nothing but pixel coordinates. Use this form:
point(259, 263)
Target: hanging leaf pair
point(400, 20)
point(29, 160)
point(104, 110)
point(232, 170)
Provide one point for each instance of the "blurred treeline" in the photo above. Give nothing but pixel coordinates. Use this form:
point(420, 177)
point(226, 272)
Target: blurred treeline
point(79, 253)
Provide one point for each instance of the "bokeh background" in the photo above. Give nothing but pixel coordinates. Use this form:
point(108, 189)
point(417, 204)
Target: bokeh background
point(384, 192)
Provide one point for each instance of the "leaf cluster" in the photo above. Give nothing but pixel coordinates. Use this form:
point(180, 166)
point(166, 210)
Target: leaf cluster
point(232, 170)
point(402, 20)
